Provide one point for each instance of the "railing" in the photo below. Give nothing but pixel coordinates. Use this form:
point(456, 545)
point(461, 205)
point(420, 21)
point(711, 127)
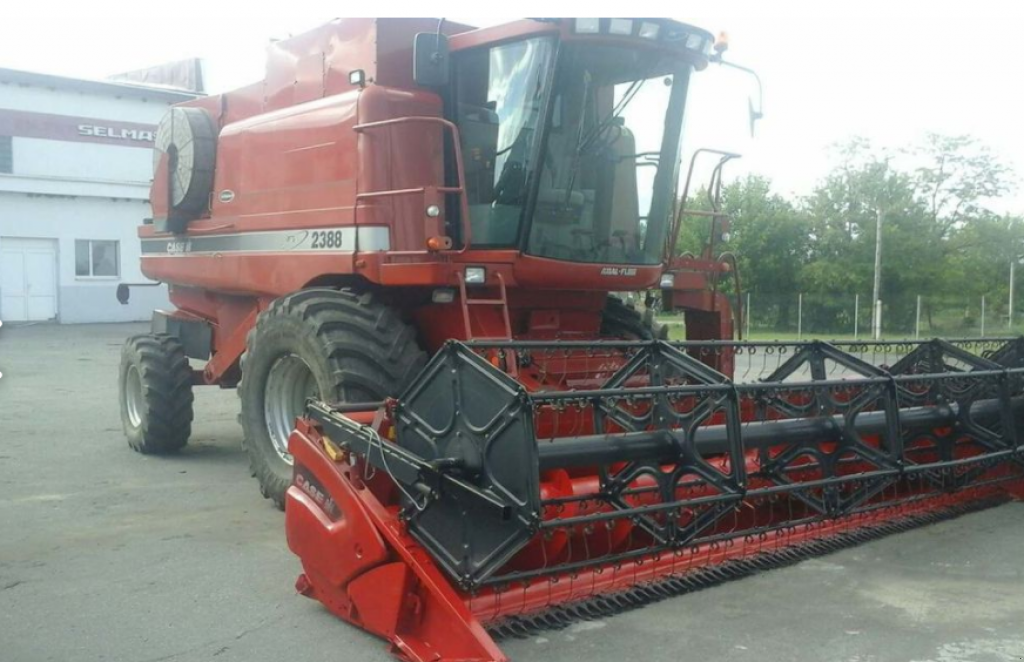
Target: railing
point(714, 198)
point(755, 361)
point(429, 193)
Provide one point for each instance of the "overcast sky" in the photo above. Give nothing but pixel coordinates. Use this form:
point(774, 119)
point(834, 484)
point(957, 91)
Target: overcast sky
point(889, 71)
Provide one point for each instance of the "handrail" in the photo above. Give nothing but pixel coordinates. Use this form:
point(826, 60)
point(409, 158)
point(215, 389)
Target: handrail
point(673, 238)
point(460, 172)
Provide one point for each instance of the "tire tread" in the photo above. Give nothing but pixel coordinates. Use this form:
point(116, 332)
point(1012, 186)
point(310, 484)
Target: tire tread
point(368, 348)
point(167, 392)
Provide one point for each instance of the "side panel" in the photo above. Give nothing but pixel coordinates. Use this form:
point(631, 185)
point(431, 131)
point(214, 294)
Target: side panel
point(283, 210)
point(297, 172)
point(289, 168)
point(397, 158)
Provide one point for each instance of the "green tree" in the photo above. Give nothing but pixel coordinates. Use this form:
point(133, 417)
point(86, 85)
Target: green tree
point(845, 209)
point(939, 237)
point(956, 177)
point(768, 234)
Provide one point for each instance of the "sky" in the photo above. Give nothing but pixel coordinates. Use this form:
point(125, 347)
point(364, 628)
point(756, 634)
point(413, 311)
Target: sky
point(888, 71)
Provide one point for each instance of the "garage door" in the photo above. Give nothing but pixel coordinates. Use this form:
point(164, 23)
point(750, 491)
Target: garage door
point(28, 279)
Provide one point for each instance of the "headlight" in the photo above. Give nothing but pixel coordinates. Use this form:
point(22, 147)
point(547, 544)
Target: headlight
point(443, 295)
point(476, 275)
point(695, 42)
point(668, 281)
point(588, 25)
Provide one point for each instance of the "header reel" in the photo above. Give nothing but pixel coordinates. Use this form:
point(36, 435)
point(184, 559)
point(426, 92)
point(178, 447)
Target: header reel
point(516, 485)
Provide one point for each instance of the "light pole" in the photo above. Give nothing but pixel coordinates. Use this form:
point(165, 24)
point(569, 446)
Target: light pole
point(876, 303)
point(1013, 272)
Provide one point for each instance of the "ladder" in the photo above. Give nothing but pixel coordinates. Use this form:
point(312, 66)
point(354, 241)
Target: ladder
point(501, 301)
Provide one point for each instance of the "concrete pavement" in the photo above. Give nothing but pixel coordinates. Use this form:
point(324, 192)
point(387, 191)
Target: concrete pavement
point(110, 555)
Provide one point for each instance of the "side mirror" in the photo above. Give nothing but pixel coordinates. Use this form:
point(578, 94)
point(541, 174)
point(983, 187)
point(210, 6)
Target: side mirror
point(753, 114)
point(430, 59)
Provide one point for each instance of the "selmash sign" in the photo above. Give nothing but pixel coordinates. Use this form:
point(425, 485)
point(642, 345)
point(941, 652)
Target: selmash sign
point(118, 133)
point(48, 126)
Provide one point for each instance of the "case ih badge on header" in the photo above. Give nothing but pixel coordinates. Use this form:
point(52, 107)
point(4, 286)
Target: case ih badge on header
point(405, 237)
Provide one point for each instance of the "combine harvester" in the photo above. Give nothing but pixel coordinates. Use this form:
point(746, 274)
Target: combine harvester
point(405, 237)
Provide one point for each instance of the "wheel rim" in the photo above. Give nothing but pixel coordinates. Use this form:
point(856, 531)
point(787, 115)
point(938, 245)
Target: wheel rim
point(134, 398)
point(289, 384)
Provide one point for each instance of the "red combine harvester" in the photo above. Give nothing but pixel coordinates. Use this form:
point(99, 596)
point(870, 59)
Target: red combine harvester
point(405, 237)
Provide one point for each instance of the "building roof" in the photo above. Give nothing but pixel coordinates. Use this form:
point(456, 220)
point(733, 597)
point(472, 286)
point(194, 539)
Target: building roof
point(99, 87)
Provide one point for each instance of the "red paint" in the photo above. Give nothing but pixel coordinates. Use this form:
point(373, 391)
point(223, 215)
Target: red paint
point(304, 148)
point(363, 569)
point(406, 599)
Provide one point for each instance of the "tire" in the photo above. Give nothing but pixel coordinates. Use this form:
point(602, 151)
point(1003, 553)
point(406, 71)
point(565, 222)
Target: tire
point(338, 345)
point(188, 138)
point(620, 320)
point(155, 392)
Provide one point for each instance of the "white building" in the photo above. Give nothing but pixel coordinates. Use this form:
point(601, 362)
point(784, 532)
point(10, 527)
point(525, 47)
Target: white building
point(75, 165)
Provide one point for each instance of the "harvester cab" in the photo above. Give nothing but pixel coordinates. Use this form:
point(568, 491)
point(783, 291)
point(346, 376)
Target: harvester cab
point(400, 246)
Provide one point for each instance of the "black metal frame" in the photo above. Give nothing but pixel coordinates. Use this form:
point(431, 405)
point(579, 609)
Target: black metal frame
point(467, 442)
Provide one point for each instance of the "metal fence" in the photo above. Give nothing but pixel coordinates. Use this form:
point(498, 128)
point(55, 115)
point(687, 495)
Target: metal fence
point(850, 316)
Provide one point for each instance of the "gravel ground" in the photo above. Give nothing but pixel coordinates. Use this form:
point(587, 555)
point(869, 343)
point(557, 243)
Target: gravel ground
point(109, 555)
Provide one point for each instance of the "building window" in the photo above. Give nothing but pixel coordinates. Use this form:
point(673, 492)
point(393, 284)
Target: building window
point(97, 259)
point(6, 155)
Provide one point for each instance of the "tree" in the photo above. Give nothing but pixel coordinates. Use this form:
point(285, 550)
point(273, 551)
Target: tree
point(845, 209)
point(957, 176)
point(768, 235)
point(955, 179)
point(939, 237)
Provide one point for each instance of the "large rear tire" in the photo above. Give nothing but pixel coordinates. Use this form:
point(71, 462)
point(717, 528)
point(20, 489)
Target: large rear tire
point(155, 387)
point(339, 346)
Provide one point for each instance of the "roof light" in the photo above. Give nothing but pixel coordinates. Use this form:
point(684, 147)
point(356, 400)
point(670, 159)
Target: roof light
point(695, 42)
point(621, 26)
point(588, 25)
point(722, 42)
point(649, 30)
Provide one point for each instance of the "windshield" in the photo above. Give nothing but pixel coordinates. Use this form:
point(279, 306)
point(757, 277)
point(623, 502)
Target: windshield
point(500, 96)
point(606, 174)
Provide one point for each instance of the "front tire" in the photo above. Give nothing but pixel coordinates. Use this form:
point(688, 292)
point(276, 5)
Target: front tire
point(155, 387)
point(622, 320)
point(335, 345)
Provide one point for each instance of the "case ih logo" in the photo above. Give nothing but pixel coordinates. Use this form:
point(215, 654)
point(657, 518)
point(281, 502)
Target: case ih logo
point(309, 485)
point(175, 247)
point(115, 132)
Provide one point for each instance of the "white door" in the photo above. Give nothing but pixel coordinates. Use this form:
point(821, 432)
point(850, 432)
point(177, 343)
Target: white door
point(28, 279)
